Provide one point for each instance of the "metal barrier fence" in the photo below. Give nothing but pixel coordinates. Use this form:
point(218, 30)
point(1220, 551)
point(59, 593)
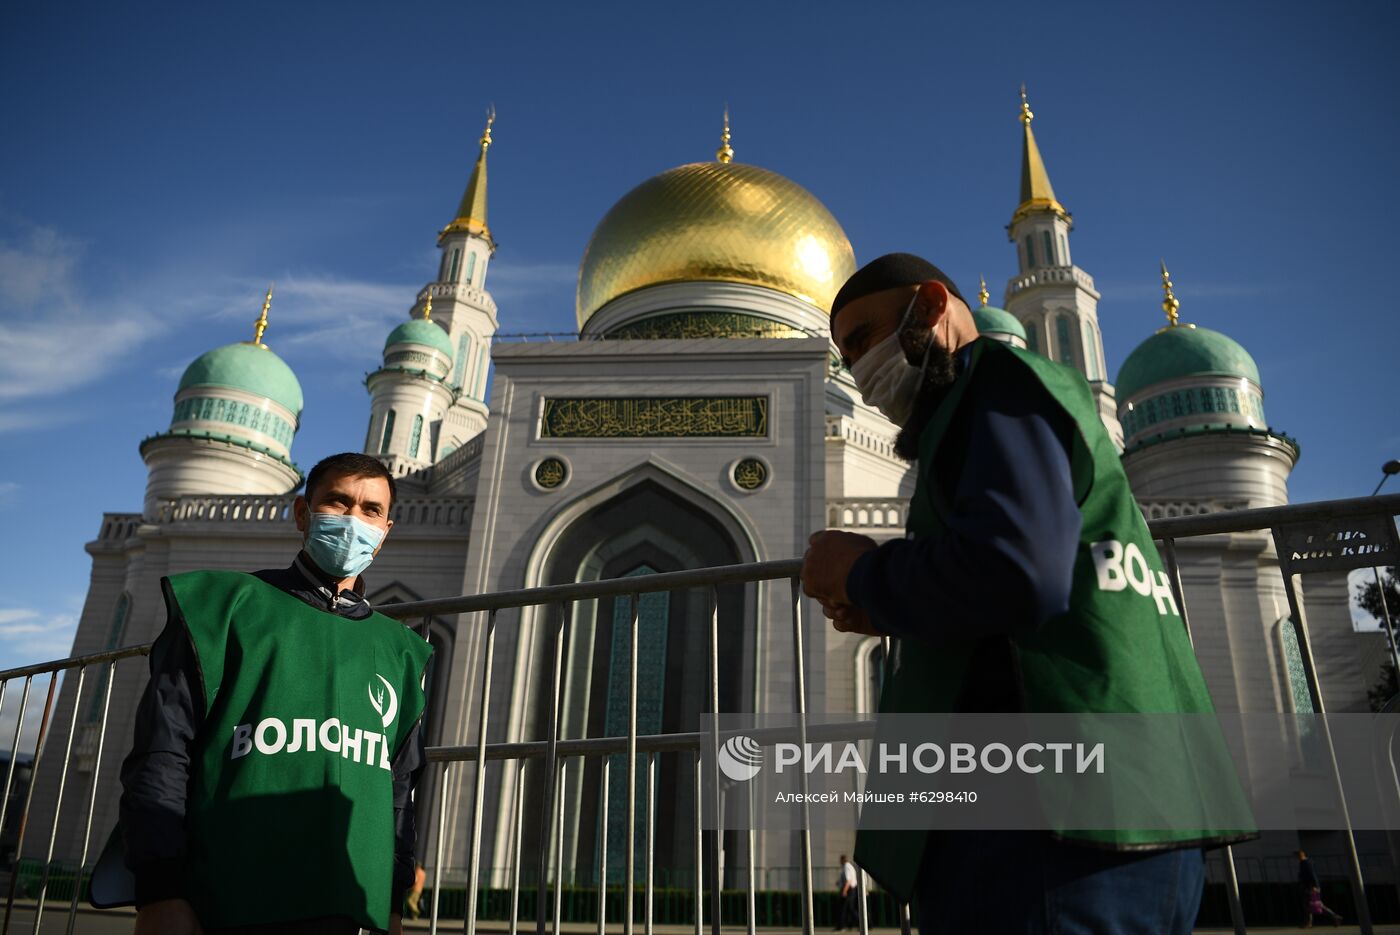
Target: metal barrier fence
point(1327, 536)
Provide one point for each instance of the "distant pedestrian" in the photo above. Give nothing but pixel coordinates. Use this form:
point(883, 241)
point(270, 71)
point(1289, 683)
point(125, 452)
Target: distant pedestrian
point(850, 895)
point(1311, 889)
point(415, 892)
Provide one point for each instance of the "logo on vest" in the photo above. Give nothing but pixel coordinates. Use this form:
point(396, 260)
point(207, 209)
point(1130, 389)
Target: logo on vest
point(278, 735)
point(385, 711)
point(1119, 568)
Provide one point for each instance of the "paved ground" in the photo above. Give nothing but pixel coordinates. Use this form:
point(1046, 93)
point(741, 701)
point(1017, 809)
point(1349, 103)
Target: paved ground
point(117, 922)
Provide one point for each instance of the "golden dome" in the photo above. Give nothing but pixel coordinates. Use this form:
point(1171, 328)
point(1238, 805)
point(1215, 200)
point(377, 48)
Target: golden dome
point(716, 222)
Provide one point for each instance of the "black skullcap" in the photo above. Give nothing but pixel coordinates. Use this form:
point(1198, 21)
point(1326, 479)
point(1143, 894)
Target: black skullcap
point(890, 272)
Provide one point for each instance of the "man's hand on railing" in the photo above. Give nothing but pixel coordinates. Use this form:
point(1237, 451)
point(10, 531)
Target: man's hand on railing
point(168, 917)
point(828, 560)
point(848, 618)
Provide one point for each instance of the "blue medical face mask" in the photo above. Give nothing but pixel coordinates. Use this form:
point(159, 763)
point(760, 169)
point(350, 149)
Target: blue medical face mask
point(342, 546)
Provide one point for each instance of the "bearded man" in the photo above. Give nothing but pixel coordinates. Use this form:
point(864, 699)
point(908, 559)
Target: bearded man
point(994, 605)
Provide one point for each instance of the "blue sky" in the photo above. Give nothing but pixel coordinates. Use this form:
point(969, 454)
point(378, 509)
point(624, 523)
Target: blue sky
point(161, 163)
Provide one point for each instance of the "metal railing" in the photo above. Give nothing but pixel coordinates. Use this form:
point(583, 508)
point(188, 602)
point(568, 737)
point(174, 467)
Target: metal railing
point(1307, 537)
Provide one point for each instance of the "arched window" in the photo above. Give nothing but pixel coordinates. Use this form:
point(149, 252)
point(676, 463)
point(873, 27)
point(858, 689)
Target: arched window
point(1064, 251)
point(416, 437)
point(1049, 246)
point(456, 260)
point(479, 384)
point(1091, 357)
point(120, 614)
point(461, 363)
point(1030, 252)
point(388, 432)
point(471, 267)
point(1066, 343)
point(1032, 335)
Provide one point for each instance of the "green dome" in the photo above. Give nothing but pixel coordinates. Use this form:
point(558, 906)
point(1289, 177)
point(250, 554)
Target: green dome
point(249, 367)
point(1183, 351)
point(420, 331)
point(997, 321)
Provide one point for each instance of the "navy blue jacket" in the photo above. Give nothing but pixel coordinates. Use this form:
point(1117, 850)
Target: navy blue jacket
point(1005, 562)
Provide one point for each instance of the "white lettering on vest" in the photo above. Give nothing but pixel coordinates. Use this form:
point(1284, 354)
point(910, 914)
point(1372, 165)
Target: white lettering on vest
point(1108, 563)
point(1118, 567)
point(242, 741)
point(1135, 567)
point(1162, 594)
point(281, 731)
point(371, 740)
point(325, 735)
point(384, 754)
point(350, 741)
point(303, 726)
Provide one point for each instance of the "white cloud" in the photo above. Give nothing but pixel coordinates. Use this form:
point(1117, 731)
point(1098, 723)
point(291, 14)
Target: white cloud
point(38, 270)
point(51, 339)
point(29, 635)
point(512, 280)
point(339, 313)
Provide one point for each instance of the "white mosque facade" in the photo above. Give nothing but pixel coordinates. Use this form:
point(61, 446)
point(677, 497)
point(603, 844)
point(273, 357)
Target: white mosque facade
point(699, 420)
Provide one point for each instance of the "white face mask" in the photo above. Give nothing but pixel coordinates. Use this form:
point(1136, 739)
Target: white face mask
point(886, 380)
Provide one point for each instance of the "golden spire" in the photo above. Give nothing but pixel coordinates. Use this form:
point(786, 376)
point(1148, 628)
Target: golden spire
point(260, 325)
point(486, 134)
point(725, 153)
point(1036, 193)
point(982, 294)
point(428, 308)
point(1169, 303)
point(471, 213)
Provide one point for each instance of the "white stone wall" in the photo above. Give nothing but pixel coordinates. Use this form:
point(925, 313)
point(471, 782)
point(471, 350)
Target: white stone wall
point(1250, 470)
point(516, 522)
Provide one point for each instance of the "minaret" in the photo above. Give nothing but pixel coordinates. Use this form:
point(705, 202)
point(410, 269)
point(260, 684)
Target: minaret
point(409, 395)
point(237, 409)
point(1192, 405)
point(463, 308)
point(1054, 299)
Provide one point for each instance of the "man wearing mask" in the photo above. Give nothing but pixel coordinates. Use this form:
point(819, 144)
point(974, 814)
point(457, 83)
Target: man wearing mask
point(995, 605)
point(268, 789)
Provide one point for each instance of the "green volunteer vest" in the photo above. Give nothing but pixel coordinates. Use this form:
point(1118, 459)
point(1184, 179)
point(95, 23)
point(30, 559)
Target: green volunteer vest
point(290, 810)
point(1113, 651)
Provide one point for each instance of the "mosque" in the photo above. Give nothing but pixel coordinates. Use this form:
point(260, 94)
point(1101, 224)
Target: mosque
point(701, 418)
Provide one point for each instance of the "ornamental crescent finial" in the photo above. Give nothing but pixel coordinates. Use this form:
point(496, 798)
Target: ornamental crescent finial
point(486, 135)
point(260, 325)
point(1170, 305)
point(725, 153)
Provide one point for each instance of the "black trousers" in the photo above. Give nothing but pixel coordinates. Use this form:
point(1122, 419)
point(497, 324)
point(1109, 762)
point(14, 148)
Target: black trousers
point(850, 909)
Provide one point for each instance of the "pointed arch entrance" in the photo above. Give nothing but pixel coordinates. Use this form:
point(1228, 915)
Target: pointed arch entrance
point(654, 523)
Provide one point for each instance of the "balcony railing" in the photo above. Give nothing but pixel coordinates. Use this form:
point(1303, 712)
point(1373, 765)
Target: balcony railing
point(1320, 536)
